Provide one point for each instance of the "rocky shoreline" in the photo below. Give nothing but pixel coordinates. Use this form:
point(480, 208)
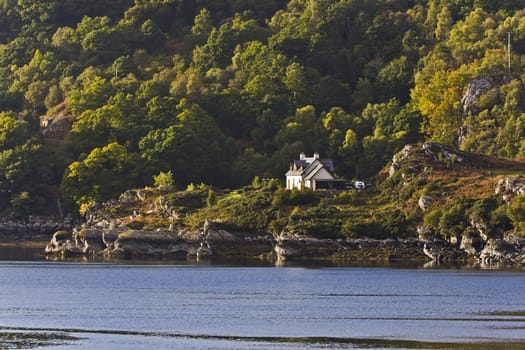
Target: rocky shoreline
point(103, 240)
point(211, 242)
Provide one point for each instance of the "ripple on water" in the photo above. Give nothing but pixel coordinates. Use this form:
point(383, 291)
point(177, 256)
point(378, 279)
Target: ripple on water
point(22, 338)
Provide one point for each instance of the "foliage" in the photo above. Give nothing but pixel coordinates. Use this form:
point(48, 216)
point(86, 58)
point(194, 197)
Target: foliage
point(103, 174)
point(222, 91)
point(296, 197)
point(163, 180)
point(516, 212)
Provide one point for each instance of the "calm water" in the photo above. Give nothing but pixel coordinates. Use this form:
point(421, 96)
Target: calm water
point(122, 306)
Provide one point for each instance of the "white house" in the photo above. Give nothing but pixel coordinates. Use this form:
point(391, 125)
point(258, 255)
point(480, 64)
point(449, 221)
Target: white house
point(311, 172)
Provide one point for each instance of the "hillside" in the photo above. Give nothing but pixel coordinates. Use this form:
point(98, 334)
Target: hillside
point(102, 97)
point(431, 196)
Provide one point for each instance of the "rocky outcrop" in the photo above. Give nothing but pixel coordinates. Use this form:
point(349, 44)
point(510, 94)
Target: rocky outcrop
point(425, 202)
point(509, 187)
point(424, 159)
point(442, 251)
point(471, 244)
point(476, 88)
point(214, 242)
point(109, 242)
point(296, 247)
point(508, 250)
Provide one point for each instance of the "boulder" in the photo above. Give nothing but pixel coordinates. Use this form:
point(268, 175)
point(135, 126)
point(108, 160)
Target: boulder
point(425, 202)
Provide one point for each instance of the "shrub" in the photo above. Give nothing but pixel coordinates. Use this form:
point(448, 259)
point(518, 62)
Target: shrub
point(348, 197)
point(322, 221)
point(516, 213)
point(432, 219)
point(284, 197)
point(163, 180)
point(394, 223)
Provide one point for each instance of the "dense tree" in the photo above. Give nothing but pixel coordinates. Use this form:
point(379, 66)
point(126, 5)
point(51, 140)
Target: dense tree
point(206, 88)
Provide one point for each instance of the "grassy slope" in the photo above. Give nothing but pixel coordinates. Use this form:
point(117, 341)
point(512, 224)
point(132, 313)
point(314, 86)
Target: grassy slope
point(388, 209)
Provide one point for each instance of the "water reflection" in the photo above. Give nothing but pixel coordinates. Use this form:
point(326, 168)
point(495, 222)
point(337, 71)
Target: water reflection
point(21, 252)
point(35, 252)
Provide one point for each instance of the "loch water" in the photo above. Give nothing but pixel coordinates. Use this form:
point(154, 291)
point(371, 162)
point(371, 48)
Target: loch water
point(171, 305)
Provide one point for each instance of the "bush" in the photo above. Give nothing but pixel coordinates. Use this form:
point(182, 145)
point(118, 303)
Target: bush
point(284, 197)
point(516, 213)
point(359, 229)
point(349, 198)
point(163, 180)
point(432, 219)
point(321, 222)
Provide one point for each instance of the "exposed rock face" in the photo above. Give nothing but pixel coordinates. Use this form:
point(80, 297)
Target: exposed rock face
point(476, 89)
point(398, 158)
point(445, 154)
point(423, 159)
point(508, 250)
point(471, 244)
point(212, 241)
point(442, 251)
point(143, 244)
point(509, 187)
point(425, 202)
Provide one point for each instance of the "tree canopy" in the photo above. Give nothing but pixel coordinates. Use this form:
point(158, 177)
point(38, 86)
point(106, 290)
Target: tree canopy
point(221, 91)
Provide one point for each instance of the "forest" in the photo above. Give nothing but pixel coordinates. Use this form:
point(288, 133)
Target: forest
point(98, 97)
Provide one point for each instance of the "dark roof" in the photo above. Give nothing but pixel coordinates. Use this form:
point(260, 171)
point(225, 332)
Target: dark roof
point(307, 168)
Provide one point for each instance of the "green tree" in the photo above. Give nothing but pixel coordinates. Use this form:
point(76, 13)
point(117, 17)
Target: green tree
point(193, 146)
point(103, 174)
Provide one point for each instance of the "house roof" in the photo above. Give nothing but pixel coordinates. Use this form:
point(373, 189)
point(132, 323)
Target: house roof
point(307, 167)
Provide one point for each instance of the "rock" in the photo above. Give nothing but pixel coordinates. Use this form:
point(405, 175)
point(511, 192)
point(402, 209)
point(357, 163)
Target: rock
point(482, 228)
point(63, 243)
point(425, 202)
point(498, 251)
point(424, 233)
point(128, 197)
point(516, 240)
point(398, 158)
point(443, 252)
point(291, 246)
point(476, 88)
point(33, 227)
point(141, 195)
point(509, 187)
point(471, 244)
point(58, 240)
point(140, 243)
point(443, 153)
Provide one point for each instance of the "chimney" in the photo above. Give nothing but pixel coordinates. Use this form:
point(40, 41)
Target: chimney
point(316, 155)
point(302, 156)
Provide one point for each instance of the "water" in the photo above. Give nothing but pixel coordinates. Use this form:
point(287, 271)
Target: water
point(60, 305)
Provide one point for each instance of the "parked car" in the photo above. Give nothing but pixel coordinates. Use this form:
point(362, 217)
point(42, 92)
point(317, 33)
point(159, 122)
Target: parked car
point(360, 185)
